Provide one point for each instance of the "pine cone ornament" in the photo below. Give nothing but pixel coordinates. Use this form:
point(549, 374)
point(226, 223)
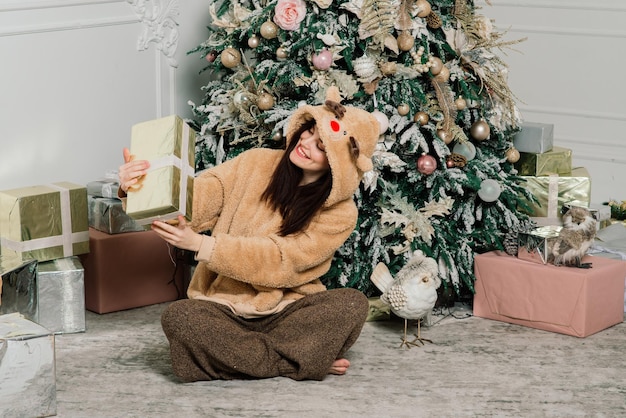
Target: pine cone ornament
point(510, 243)
point(433, 21)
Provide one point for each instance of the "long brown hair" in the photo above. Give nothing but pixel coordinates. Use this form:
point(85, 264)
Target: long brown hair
point(297, 204)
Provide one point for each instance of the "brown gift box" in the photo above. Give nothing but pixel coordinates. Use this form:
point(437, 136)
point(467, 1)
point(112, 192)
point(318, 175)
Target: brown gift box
point(567, 300)
point(130, 270)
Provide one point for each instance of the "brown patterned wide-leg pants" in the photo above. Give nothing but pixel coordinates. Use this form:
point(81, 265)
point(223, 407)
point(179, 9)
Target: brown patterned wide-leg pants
point(208, 341)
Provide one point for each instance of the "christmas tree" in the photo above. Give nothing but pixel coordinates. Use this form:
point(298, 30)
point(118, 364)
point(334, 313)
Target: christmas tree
point(444, 180)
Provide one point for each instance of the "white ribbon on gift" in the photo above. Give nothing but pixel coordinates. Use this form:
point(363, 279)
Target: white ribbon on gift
point(553, 196)
point(66, 239)
point(186, 170)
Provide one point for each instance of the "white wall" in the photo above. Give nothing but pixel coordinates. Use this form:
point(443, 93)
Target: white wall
point(570, 72)
point(73, 80)
point(77, 74)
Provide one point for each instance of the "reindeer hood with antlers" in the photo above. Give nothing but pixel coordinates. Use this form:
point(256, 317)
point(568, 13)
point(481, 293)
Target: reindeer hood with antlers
point(349, 135)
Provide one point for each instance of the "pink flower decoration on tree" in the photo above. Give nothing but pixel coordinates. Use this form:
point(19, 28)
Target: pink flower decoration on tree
point(289, 13)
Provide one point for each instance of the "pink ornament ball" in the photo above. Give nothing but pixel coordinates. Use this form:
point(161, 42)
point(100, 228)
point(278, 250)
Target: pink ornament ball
point(322, 60)
point(426, 164)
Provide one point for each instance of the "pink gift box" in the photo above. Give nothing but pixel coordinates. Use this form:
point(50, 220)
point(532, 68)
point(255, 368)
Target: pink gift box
point(567, 300)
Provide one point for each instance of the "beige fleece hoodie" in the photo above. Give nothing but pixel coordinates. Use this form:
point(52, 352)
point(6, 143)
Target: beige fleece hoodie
point(245, 264)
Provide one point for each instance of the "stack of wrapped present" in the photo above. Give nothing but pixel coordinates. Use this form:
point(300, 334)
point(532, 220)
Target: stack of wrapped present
point(129, 265)
point(43, 229)
point(527, 287)
point(548, 174)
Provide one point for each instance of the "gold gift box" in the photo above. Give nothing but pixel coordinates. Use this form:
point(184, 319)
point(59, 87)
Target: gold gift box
point(44, 222)
point(536, 245)
point(554, 191)
point(556, 161)
point(167, 189)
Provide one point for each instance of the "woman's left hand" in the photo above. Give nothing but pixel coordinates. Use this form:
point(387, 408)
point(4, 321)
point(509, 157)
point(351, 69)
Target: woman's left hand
point(181, 235)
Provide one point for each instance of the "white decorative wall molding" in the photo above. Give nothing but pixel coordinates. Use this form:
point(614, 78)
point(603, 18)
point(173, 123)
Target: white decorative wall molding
point(67, 25)
point(159, 26)
point(574, 113)
point(595, 6)
point(19, 5)
point(564, 31)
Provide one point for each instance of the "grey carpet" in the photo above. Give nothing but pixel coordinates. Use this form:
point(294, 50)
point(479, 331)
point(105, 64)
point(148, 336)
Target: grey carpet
point(475, 368)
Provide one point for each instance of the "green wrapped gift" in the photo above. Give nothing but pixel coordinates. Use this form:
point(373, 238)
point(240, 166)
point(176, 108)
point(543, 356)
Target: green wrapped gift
point(556, 161)
point(554, 191)
point(166, 191)
point(44, 222)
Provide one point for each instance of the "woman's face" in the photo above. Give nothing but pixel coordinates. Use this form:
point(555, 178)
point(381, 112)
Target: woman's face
point(310, 155)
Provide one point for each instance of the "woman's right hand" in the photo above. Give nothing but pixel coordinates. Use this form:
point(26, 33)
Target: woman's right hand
point(132, 172)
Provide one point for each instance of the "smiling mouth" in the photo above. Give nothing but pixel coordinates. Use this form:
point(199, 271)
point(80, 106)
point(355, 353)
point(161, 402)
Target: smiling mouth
point(300, 152)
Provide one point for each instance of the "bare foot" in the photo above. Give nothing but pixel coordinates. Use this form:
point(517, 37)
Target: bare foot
point(340, 366)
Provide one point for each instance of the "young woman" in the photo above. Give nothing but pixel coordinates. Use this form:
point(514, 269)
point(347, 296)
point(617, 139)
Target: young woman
point(256, 307)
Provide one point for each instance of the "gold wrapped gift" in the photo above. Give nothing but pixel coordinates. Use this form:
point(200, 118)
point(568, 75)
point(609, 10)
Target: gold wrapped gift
point(554, 191)
point(536, 245)
point(556, 161)
point(44, 222)
point(167, 189)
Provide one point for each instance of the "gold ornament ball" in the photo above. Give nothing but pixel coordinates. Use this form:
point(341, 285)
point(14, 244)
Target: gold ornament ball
point(424, 8)
point(480, 130)
point(230, 57)
point(460, 103)
point(281, 53)
point(277, 137)
point(403, 109)
point(405, 41)
point(437, 66)
point(421, 118)
point(254, 41)
point(512, 155)
point(445, 136)
point(265, 101)
point(444, 75)
point(269, 30)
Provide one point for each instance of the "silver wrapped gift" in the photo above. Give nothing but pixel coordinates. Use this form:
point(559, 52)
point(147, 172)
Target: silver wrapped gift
point(107, 215)
point(27, 368)
point(61, 295)
point(534, 137)
point(18, 286)
point(103, 188)
point(536, 245)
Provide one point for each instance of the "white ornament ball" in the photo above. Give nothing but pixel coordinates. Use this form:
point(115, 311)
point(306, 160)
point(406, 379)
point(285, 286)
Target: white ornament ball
point(489, 190)
point(466, 149)
point(383, 121)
